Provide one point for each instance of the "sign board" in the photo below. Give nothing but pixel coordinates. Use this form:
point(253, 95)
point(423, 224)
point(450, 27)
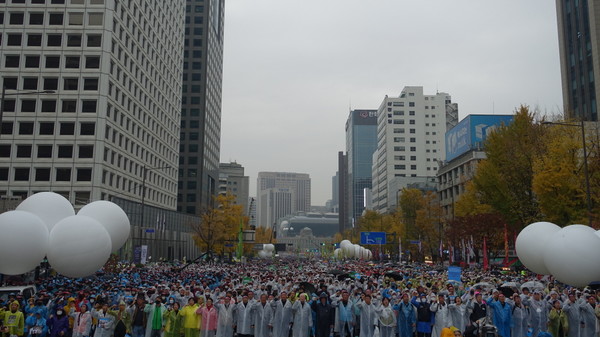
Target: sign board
point(372, 238)
point(454, 273)
point(259, 246)
point(414, 242)
point(229, 245)
point(150, 230)
point(472, 132)
point(137, 254)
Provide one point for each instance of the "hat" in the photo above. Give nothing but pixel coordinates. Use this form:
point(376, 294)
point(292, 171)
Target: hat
point(323, 295)
point(423, 295)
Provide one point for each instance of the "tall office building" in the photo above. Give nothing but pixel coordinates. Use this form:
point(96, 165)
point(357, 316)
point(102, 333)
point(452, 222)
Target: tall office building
point(275, 203)
point(201, 105)
point(233, 181)
point(579, 40)
point(110, 123)
point(410, 132)
point(361, 142)
point(344, 221)
point(297, 184)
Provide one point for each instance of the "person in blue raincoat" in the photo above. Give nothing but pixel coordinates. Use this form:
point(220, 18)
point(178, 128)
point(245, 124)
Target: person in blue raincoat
point(425, 317)
point(407, 317)
point(502, 315)
point(36, 325)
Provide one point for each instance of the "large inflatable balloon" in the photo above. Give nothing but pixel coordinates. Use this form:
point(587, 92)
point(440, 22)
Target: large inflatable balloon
point(531, 243)
point(572, 255)
point(79, 246)
point(347, 247)
point(337, 253)
point(269, 247)
point(48, 206)
point(23, 242)
point(112, 217)
point(356, 253)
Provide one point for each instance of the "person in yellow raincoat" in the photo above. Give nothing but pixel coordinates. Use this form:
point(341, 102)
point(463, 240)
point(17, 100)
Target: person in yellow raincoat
point(191, 323)
point(14, 321)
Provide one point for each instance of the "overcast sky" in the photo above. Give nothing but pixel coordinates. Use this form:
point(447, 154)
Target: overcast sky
point(293, 68)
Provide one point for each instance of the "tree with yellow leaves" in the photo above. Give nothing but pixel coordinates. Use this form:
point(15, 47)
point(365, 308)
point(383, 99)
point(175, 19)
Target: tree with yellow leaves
point(219, 224)
point(421, 213)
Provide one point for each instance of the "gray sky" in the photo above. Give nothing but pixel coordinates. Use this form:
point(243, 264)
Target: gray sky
point(293, 67)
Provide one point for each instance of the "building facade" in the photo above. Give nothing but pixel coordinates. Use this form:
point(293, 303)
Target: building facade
point(233, 181)
point(201, 105)
point(578, 41)
point(275, 183)
point(108, 124)
point(361, 143)
point(410, 141)
point(464, 150)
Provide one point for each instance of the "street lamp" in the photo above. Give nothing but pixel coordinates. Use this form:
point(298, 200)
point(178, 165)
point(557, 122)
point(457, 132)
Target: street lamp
point(585, 164)
point(145, 170)
point(4, 94)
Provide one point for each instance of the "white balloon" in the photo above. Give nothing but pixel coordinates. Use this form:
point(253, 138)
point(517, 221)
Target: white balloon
point(337, 253)
point(112, 217)
point(347, 248)
point(356, 253)
point(48, 206)
point(79, 246)
point(531, 243)
point(345, 243)
point(369, 254)
point(263, 254)
point(269, 247)
point(23, 242)
point(598, 233)
point(572, 255)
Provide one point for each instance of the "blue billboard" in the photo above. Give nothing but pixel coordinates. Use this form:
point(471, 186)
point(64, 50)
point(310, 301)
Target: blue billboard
point(471, 132)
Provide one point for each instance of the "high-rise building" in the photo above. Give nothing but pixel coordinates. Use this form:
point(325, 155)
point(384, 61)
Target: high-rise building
point(410, 132)
point(361, 142)
point(275, 203)
point(297, 184)
point(344, 221)
point(201, 105)
point(335, 192)
point(233, 181)
point(109, 122)
point(578, 41)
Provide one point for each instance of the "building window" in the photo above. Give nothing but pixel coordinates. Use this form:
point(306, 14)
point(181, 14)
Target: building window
point(56, 19)
point(69, 105)
point(16, 18)
point(67, 128)
point(86, 151)
point(73, 40)
point(52, 61)
point(84, 174)
point(94, 40)
point(22, 174)
point(72, 62)
point(65, 151)
point(14, 40)
point(5, 151)
point(63, 174)
point(44, 151)
point(95, 19)
point(23, 151)
point(42, 174)
point(71, 83)
point(30, 83)
point(32, 61)
point(36, 18)
point(46, 128)
point(88, 129)
point(34, 40)
point(54, 40)
point(7, 128)
point(26, 128)
point(88, 106)
point(75, 19)
point(92, 62)
point(12, 61)
point(90, 84)
point(28, 105)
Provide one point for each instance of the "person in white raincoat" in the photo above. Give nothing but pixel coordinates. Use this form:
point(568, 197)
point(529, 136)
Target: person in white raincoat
point(302, 317)
point(442, 316)
point(459, 315)
point(226, 317)
point(344, 316)
point(387, 319)
point(283, 317)
point(368, 316)
point(106, 322)
point(261, 317)
point(243, 317)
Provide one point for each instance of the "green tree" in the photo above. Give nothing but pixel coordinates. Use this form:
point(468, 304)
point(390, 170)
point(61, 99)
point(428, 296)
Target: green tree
point(469, 203)
point(421, 214)
point(505, 179)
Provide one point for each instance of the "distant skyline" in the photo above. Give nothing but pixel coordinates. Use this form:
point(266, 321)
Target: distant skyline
point(293, 69)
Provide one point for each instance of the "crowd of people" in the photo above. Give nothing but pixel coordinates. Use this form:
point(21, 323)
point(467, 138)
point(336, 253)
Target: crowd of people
point(301, 298)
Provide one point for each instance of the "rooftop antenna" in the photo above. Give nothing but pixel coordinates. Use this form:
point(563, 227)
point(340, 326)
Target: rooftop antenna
point(350, 105)
point(437, 90)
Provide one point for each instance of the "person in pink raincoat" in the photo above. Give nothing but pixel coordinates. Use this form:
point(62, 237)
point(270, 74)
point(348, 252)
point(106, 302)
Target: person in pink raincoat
point(210, 318)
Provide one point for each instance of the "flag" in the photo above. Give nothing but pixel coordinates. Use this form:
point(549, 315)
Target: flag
point(441, 250)
point(420, 244)
point(505, 245)
point(471, 249)
point(450, 253)
point(485, 255)
point(400, 249)
point(463, 248)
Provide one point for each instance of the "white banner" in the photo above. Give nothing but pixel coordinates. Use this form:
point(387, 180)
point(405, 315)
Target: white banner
point(144, 254)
